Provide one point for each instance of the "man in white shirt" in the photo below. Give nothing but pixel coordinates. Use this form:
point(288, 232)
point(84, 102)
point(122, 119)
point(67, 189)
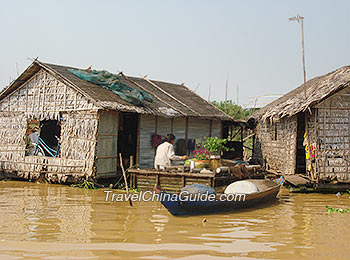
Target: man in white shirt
point(165, 153)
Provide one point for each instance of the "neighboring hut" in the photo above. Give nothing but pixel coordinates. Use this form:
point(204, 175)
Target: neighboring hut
point(281, 137)
point(92, 123)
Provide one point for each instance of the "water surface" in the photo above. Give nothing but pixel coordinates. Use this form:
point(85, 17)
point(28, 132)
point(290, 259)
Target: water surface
point(43, 221)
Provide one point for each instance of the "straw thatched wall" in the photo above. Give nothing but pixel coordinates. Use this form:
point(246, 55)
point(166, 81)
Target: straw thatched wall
point(275, 144)
point(44, 97)
point(328, 131)
point(332, 136)
point(182, 128)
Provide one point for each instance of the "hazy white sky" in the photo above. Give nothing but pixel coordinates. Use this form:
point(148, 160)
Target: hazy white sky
point(181, 41)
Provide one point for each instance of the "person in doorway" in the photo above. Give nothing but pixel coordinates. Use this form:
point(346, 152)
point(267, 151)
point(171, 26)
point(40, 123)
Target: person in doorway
point(32, 139)
point(165, 153)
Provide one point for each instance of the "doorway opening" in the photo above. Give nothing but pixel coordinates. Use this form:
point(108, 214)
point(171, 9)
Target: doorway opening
point(127, 136)
point(300, 153)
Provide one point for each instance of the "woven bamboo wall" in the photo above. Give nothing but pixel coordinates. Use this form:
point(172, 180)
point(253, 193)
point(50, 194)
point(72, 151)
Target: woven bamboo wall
point(44, 97)
point(331, 135)
point(278, 154)
point(197, 128)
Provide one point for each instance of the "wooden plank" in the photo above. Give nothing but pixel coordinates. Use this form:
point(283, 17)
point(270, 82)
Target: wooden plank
point(296, 180)
point(150, 172)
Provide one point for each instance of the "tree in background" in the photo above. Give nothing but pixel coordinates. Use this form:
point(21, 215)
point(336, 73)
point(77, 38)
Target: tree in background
point(232, 109)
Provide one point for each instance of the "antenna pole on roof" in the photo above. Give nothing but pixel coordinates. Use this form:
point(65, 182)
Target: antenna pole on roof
point(17, 68)
point(237, 96)
point(226, 87)
point(300, 19)
point(196, 87)
point(209, 93)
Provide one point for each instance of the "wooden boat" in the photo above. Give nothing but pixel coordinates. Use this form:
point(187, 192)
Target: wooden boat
point(177, 206)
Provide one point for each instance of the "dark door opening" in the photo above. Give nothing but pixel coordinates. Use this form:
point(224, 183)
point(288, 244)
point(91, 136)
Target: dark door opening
point(127, 136)
point(300, 153)
point(234, 134)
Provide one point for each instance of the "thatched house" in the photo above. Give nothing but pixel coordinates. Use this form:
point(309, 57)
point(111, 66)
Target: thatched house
point(91, 124)
point(324, 113)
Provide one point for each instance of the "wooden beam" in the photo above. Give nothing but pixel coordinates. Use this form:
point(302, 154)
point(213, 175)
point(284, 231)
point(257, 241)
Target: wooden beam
point(249, 148)
point(249, 136)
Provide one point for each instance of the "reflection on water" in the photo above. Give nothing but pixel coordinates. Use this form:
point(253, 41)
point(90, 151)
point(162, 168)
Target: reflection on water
point(39, 221)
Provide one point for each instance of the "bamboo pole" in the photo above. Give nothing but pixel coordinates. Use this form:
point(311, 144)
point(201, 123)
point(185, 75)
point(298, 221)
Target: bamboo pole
point(125, 180)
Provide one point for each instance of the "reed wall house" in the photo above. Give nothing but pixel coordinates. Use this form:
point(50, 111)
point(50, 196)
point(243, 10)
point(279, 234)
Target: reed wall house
point(84, 123)
point(307, 131)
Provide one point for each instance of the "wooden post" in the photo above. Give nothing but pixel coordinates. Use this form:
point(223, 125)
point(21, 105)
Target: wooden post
point(186, 130)
point(138, 139)
point(156, 125)
point(131, 162)
point(157, 179)
point(172, 125)
point(210, 127)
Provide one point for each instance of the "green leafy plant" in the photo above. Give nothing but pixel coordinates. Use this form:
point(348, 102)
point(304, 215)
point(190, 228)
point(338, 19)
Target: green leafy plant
point(89, 185)
point(214, 145)
point(340, 210)
point(122, 187)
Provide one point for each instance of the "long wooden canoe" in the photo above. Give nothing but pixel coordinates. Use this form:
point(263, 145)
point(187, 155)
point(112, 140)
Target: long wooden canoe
point(177, 206)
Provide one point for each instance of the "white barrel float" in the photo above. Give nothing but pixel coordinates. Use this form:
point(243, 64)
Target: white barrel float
point(242, 187)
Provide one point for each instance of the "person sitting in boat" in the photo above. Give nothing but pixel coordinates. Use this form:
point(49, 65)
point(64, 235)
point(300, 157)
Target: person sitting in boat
point(165, 153)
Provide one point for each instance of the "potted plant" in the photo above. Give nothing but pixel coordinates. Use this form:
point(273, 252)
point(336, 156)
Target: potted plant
point(201, 157)
point(215, 146)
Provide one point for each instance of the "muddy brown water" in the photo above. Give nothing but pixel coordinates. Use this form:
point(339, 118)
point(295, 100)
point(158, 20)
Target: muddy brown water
point(42, 221)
